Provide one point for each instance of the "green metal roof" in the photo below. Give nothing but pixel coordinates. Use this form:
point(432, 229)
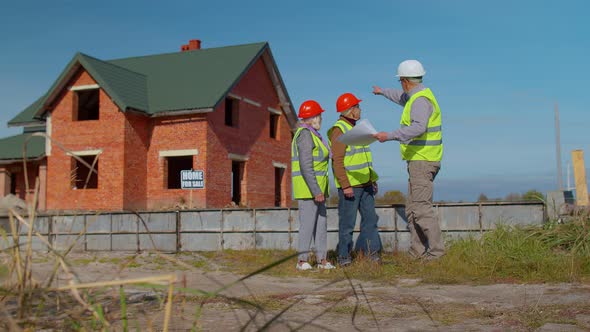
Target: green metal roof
point(193, 79)
point(127, 88)
point(28, 115)
point(189, 80)
point(12, 147)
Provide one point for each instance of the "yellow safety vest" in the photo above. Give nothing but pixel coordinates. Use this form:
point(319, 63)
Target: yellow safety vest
point(320, 166)
point(427, 146)
point(358, 161)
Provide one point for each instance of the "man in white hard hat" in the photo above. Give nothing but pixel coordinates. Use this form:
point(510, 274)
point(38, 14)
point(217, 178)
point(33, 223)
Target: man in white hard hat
point(420, 138)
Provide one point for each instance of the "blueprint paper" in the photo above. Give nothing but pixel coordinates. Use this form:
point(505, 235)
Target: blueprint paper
point(360, 134)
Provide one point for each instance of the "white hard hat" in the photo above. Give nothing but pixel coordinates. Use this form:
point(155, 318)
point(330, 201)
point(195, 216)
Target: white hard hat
point(410, 68)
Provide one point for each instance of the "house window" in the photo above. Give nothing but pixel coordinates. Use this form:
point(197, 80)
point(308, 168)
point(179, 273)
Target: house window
point(237, 173)
point(231, 112)
point(173, 167)
point(274, 125)
point(279, 172)
point(13, 183)
point(82, 176)
point(85, 105)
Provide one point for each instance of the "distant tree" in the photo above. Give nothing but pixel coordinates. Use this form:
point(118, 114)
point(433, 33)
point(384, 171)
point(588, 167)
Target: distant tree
point(513, 197)
point(533, 195)
point(391, 197)
point(482, 198)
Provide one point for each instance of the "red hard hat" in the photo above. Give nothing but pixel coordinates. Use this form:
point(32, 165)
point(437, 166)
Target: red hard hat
point(309, 108)
point(346, 101)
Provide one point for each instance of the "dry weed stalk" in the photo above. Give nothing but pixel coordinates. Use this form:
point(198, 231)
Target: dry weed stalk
point(25, 284)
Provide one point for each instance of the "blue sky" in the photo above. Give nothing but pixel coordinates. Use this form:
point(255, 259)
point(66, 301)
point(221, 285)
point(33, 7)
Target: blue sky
point(497, 68)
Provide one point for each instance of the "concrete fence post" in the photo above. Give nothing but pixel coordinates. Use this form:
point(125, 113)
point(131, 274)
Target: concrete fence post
point(178, 226)
point(290, 220)
point(254, 230)
point(49, 231)
point(221, 244)
point(479, 219)
point(395, 234)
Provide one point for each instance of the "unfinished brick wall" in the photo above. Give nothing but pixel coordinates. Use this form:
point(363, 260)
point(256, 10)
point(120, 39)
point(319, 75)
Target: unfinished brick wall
point(107, 133)
point(175, 133)
point(251, 139)
point(16, 170)
point(137, 137)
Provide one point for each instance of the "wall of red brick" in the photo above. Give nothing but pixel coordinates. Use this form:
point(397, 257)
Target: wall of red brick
point(17, 169)
point(251, 139)
point(175, 133)
point(137, 137)
point(107, 133)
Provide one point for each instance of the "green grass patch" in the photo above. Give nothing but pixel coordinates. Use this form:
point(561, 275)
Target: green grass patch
point(199, 264)
point(512, 254)
point(247, 261)
point(349, 309)
point(109, 260)
point(84, 261)
point(508, 254)
point(3, 271)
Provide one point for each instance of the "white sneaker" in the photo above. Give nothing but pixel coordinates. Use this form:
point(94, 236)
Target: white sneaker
point(327, 266)
point(303, 266)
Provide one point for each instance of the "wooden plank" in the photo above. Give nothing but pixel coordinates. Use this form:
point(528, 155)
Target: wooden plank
point(580, 178)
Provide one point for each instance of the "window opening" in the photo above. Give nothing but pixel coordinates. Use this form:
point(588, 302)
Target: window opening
point(80, 173)
point(173, 167)
point(86, 104)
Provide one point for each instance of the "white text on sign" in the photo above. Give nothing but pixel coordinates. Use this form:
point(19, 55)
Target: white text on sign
point(190, 179)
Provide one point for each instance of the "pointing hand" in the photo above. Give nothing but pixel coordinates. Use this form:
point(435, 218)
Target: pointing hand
point(377, 90)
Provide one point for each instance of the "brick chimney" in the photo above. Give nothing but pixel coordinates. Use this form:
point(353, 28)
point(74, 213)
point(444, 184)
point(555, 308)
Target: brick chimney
point(193, 44)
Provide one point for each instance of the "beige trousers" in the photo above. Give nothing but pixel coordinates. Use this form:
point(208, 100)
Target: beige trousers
point(426, 236)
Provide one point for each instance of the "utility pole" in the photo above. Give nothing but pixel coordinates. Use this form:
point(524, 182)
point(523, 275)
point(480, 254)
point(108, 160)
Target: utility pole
point(558, 150)
point(580, 177)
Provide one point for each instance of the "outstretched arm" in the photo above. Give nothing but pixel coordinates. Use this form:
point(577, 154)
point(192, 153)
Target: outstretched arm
point(395, 95)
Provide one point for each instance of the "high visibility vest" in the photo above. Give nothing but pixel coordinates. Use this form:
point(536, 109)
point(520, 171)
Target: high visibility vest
point(358, 161)
point(321, 158)
point(427, 146)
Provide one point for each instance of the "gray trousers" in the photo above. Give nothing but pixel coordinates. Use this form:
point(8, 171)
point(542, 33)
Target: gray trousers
point(426, 236)
point(312, 227)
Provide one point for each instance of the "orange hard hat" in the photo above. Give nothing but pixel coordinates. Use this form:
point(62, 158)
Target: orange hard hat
point(309, 108)
point(346, 101)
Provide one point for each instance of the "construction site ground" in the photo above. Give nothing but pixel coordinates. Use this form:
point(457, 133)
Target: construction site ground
point(311, 304)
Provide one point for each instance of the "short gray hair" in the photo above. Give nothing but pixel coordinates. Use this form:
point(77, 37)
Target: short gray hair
point(347, 112)
point(414, 79)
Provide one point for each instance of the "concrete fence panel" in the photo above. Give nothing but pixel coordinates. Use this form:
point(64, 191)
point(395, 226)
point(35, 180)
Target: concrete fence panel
point(512, 215)
point(273, 228)
point(158, 222)
point(459, 218)
point(98, 232)
point(200, 221)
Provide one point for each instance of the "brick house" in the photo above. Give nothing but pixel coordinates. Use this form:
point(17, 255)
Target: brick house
point(140, 121)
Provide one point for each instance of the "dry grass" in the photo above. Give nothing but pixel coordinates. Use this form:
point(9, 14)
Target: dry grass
point(28, 303)
point(553, 253)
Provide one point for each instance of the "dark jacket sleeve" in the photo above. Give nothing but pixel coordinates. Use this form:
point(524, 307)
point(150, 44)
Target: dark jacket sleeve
point(338, 151)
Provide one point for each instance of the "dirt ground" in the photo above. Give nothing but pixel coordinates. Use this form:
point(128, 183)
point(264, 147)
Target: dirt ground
point(308, 304)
